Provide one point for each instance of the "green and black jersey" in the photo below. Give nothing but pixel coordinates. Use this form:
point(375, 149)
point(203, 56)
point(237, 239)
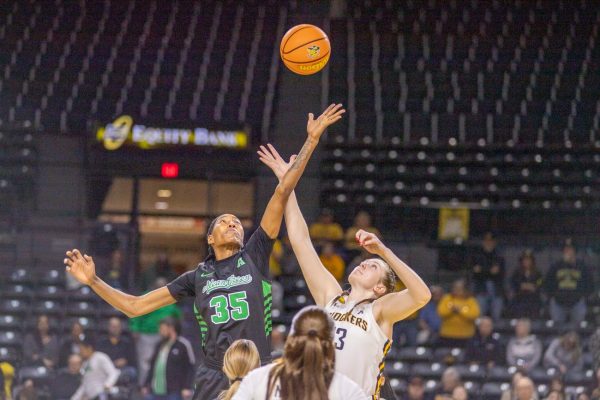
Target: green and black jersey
point(232, 299)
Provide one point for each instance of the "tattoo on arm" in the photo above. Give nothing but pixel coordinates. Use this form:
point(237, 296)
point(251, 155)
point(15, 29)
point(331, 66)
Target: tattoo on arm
point(302, 155)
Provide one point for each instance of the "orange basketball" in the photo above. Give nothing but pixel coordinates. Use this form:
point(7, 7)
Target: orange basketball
point(305, 49)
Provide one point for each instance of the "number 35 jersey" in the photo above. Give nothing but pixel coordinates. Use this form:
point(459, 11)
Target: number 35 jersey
point(232, 298)
point(360, 344)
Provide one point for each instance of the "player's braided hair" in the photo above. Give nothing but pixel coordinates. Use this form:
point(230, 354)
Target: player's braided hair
point(211, 252)
point(388, 280)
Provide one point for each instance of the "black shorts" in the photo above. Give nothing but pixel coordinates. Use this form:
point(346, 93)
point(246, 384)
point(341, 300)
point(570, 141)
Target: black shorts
point(387, 392)
point(209, 382)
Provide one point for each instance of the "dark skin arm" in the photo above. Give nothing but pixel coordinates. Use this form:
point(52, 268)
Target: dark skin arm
point(271, 220)
point(83, 269)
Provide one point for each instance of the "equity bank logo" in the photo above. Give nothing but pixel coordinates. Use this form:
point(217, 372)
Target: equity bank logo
point(116, 134)
point(123, 132)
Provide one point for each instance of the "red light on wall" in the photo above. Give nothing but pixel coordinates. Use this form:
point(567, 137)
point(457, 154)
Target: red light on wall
point(169, 170)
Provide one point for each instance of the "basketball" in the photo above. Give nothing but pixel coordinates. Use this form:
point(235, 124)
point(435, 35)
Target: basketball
point(305, 49)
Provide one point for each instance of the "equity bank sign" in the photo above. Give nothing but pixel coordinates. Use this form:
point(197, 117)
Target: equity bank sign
point(123, 131)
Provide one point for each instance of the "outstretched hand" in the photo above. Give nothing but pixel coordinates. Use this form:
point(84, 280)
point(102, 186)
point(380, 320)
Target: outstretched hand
point(82, 267)
point(316, 127)
point(370, 242)
point(270, 157)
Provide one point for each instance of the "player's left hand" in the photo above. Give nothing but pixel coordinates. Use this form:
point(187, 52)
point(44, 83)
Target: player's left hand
point(316, 127)
point(370, 242)
point(186, 394)
point(270, 157)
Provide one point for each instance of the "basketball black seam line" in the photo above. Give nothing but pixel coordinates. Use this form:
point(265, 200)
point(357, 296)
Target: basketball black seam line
point(306, 62)
point(304, 44)
point(288, 39)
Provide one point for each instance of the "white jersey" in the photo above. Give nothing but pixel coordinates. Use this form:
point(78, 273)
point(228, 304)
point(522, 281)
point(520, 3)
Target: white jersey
point(360, 344)
point(254, 387)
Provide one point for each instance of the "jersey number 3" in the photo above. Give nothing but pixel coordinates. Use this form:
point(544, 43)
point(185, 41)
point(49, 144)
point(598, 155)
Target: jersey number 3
point(233, 306)
point(340, 335)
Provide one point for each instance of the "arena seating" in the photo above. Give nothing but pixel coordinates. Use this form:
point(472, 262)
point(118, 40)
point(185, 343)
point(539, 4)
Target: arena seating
point(66, 63)
point(486, 104)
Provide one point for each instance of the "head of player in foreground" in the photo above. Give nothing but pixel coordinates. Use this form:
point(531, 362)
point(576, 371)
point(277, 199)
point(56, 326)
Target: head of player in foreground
point(240, 358)
point(307, 366)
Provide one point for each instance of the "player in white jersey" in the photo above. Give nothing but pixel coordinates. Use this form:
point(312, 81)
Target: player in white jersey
point(365, 315)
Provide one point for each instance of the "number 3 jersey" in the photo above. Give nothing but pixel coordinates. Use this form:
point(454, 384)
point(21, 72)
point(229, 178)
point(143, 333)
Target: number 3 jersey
point(232, 299)
point(360, 344)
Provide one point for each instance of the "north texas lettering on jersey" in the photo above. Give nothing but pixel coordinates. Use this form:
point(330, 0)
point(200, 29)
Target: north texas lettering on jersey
point(232, 281)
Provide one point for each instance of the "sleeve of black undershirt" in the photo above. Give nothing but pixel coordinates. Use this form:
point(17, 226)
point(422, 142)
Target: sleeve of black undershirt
point(259, 248)
point(183, 285)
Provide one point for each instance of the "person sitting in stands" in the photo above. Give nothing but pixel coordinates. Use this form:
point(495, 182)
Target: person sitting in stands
point(458, 311)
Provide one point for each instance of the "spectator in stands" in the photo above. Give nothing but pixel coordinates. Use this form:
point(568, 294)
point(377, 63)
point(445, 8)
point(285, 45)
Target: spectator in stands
point(41, 347)
point(278, 256)
point(557, 385)
point(119, 347)
point(7, 372)
point(488, 278)
point(332, 261)
point(484, 349)
point(71, 344)
point(67, 381)
point(525, 389)
point(172, 365)
point(415, 389)
point(564, 353)
point(596, 388)
point(283, 261)
point(450, 381)
point(429, 320)
point(99, 373)
point(458, 311)
point(524, 350)
point(362, 220)
point(307, 368)
point(27, 391)
point(275, 259)
point(117, 274)
point(160, 269)
point(460, 393)
point(405, 332)
point(325, 229)
point(583, 396)
point(511, 393)
point(594, 347)
point(567, 284)
point(240, 358)
point(526, 282)
point(145, 332)
point(555, 395)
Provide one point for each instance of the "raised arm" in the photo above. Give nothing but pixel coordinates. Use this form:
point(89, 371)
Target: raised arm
point(83, 269)
point(271, 220)
point(321, 283)
point(393, 307)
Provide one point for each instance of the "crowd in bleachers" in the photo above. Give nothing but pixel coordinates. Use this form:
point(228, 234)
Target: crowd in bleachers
point(491, 324)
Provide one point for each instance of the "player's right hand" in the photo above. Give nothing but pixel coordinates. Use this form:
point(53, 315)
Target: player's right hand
point(82, 267)
point(316, 127)
point(271, 158)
